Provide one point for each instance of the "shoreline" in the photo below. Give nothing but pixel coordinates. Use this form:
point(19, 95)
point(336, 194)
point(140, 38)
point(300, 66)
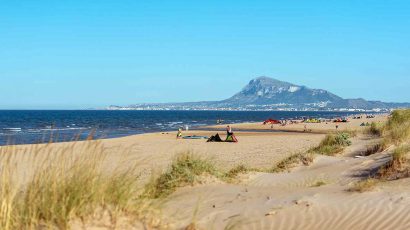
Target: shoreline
point(256, 127)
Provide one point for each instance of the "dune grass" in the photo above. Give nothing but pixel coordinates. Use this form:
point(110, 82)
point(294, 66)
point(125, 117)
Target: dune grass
point(235, 171)
point(332, 144)
point(375, 129)
point(292, 160)
point(69, 184)
point(398, 167)
point(187, 169)
point(372, 149)
point(397, 128)
point(364, 185)
point(184, 170)
point(400, 154)
point(318, 183)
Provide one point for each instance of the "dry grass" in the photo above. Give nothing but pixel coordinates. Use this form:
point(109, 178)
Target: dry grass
point(364, 185)
point(372, 149)
point(332, 144)
point(292, 160)
point(399, 166)
point(375, 129)
point(69, 184)
point(184, 170)
point(397, 128)
point(235, 171)
point(396, 132)
point(318, 183)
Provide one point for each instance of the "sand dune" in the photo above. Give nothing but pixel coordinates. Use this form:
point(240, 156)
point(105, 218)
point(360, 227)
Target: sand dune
point(290, 200)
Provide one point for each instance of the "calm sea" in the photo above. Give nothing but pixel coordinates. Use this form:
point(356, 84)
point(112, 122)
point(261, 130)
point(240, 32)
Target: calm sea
point(23, 127)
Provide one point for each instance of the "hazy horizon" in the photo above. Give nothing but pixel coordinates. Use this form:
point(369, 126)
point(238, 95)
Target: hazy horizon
point(77, 55)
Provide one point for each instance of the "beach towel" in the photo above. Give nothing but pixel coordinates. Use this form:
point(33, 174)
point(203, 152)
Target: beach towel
point(195, 137)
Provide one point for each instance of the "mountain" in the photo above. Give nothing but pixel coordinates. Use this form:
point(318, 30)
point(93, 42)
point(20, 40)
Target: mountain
point(264, 90)
point(264, 93)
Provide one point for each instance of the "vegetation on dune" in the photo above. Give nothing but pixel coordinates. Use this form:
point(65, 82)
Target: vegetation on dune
point(73, 185)
point(332, 144)
point(292, 160)
point(235, 171)
point(364, 185)
point(397, 128)
point(399, 166)
point(372, 149)
point(184, 170)
point(395, 132)
point(318, 183)
point(189, 169)
point(375, 129)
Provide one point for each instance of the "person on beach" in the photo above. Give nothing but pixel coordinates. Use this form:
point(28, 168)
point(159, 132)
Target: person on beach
point(179, 134)
point(228, 130)
point(230, 137)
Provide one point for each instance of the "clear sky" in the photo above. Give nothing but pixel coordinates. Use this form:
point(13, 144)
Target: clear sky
point(79, 54)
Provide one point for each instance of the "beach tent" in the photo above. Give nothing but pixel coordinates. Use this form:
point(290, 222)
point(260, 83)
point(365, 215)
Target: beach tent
point(215, 138)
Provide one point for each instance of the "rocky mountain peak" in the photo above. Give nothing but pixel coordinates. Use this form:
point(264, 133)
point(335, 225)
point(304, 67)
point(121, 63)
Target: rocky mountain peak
point(265, 90)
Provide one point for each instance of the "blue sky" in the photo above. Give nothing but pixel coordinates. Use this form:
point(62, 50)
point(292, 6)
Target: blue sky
point(79, 54)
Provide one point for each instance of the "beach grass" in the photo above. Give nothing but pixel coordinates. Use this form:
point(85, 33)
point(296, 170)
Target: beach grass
point(375, 129)
point(364, 185)
point(235, 171)
point(372, 149)
point(67, 185)
point(397, 128)
point(318, 183)
point(332, 144)
point(399, 165)
point(305, 158)
point(184, 170)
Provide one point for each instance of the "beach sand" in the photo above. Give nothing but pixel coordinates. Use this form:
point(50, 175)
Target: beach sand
point(155, 151)
point(286, 200)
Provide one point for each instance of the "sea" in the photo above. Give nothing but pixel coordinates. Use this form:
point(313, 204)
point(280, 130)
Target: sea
point(36, 126)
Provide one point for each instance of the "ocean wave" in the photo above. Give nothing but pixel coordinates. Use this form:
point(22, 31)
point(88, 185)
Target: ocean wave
point(62, 129)
point(12, 129)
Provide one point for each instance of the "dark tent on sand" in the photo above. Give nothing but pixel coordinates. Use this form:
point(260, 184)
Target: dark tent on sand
point(215, 138)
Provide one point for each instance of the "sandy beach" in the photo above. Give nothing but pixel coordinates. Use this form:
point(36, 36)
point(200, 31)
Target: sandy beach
point(155, 151)
point(304, 197)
